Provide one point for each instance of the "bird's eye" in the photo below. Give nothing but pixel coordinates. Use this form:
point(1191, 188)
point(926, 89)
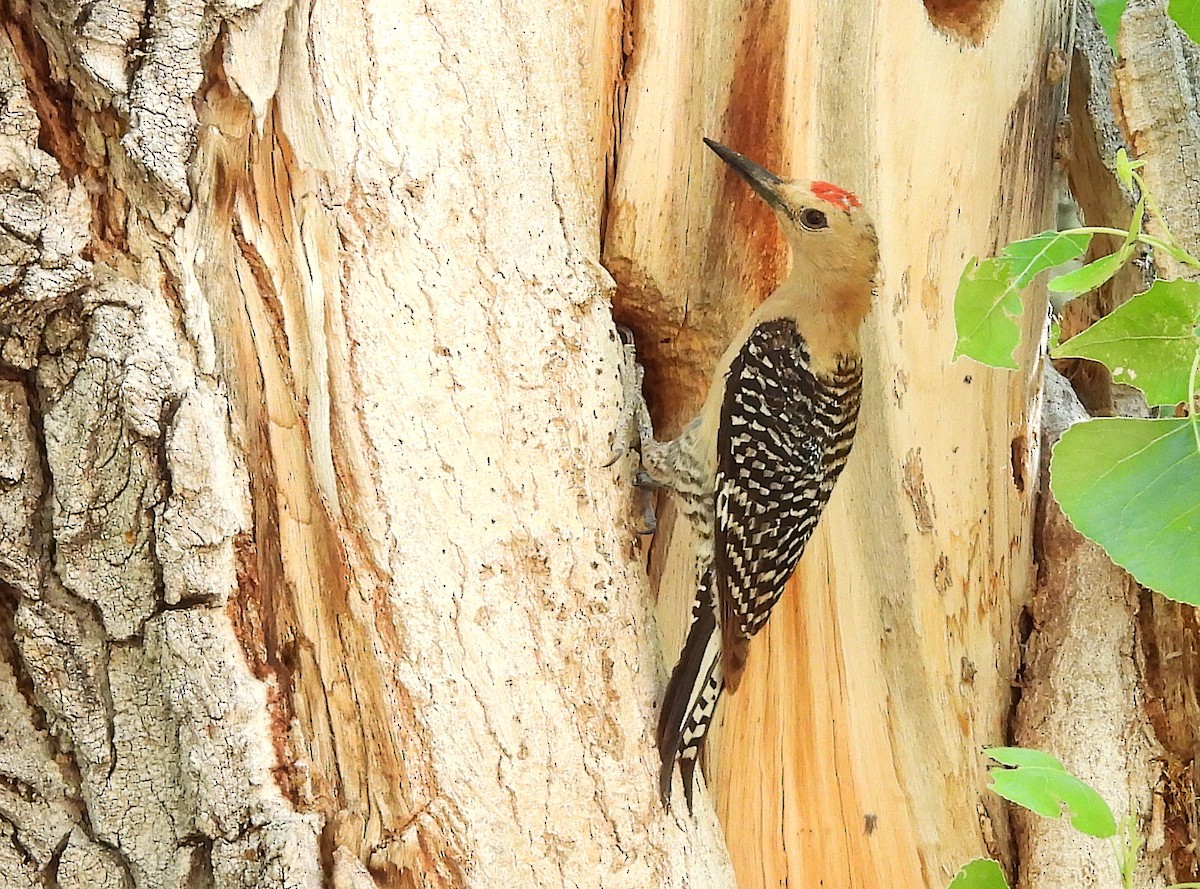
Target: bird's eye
point(813, 220)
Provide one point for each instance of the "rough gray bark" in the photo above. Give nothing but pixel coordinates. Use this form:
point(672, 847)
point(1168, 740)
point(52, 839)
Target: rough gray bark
point(133, 748)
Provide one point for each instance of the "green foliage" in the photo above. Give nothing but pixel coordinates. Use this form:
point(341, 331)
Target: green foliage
point(1127, 847)
point(1024, 757)
point(988, 304)
point(981, 873)
point(1090, 276)
point(1041, 783)
point(1149, 342)
point(1034, 255)
point(1126, 167)
point(1186, 14)
point(985, 313)
point(1133, 486)
point(1109, 14)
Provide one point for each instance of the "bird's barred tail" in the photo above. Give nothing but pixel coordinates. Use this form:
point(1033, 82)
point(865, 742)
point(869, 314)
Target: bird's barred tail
point(691, 697)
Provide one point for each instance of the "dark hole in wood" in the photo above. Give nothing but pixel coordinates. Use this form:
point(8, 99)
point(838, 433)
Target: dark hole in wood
point(968, 19)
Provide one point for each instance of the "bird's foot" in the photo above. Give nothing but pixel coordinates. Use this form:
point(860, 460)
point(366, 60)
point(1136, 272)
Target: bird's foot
point(646, 487)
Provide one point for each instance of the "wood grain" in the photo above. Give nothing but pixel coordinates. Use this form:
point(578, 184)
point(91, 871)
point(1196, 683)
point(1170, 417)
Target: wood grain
point(849, 756)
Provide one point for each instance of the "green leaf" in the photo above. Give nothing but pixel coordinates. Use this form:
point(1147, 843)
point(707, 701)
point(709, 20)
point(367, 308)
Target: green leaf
point(1044, 251)
point(1046, 788)
point(1109, 14)
point(1133, 486)
point(987, 303)
point(1149, 342)
point(1186, 14)
point(982, 873)
point(1041, 783)
point(1024, 756)
point(1091, 275)
point(1126, 167)
point(986, 307)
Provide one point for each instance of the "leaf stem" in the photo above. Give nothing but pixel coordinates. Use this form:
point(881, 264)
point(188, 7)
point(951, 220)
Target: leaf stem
point(1177, 253)
point(1191, 399)
point(1154, 211)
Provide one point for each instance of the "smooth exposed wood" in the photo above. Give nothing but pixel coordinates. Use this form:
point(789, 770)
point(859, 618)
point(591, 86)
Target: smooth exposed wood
point(850, 752)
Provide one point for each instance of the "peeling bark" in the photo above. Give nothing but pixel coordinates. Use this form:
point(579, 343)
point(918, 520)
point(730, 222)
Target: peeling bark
point(250, 589)
point(135, 744)
point(1159, 82)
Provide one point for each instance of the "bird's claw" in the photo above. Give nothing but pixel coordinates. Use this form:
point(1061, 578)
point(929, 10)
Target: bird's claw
point(618, 453)
point(628, 432)
point(643, 480)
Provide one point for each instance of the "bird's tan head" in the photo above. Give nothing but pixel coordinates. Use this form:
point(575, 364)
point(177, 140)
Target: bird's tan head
point(832, 238)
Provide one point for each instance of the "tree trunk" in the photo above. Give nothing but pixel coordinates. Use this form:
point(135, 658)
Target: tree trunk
point(311, 568)
point(851, 750)
point(1108, 681)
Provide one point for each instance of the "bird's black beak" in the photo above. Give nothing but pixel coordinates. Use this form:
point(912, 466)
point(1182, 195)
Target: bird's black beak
point(761, 180)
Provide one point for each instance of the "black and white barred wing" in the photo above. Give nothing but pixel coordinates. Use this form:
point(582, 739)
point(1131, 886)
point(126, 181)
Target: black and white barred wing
point(784, 437)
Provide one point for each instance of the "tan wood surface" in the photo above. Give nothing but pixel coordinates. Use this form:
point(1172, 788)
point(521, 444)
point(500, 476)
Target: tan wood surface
point(850, 754)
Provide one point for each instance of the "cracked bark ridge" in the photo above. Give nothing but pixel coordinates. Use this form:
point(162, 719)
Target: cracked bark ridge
point(145, 63)
point(86, 865)
point(20, 491)
point(103, 456)
point(35, 795)
point(43, 226)
point(1158, 85)
point(64, 653)
point(189, 736)
point(135, 749)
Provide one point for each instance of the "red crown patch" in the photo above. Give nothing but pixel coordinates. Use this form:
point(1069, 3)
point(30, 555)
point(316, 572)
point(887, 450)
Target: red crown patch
point(836, 195)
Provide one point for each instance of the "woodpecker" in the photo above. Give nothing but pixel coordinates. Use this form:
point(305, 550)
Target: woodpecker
point(754, 470)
